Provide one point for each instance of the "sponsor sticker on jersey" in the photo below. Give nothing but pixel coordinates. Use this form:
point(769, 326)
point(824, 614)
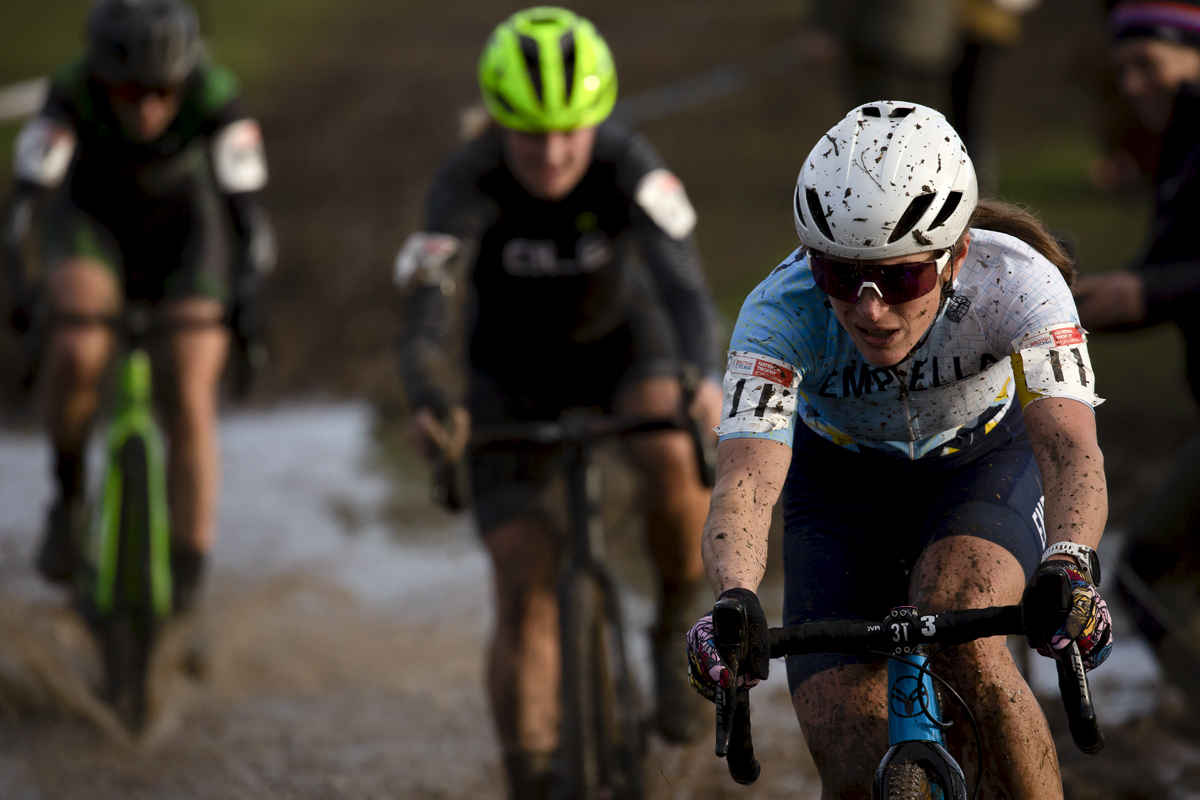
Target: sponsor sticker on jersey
point(239, 161)
point(661, 196)
point(760, 394)
point(43, 152)
point(760, 367)
point(1062, 334)
point(424, 260)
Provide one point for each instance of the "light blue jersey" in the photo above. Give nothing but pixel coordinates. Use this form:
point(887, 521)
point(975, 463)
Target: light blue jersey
point(1010, 331)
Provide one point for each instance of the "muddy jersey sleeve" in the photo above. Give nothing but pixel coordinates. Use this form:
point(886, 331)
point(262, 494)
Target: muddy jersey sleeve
point(772, 343)
point(662, 221)
point(432, 272)
point(1036, 319)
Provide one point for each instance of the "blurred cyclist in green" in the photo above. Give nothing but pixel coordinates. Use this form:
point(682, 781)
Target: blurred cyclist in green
point(528, 253)
point(138, 181)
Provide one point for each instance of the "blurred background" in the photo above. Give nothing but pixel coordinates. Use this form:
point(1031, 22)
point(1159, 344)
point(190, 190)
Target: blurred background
point(359, 101)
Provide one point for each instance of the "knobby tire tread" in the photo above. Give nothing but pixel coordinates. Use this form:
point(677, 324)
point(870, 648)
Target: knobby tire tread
point(909, 782)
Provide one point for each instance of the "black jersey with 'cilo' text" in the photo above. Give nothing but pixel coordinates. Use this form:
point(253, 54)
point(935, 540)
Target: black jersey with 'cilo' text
point(547, 275)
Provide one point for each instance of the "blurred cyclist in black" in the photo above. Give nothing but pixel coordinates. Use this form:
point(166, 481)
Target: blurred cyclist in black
point(528, 249)
point(138, 181)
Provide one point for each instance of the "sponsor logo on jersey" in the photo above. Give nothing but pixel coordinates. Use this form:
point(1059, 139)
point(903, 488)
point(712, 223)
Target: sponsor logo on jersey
point(1061, 335)
point(856, 380)
point(957, 307)
point(757, 367)
point(538, 258)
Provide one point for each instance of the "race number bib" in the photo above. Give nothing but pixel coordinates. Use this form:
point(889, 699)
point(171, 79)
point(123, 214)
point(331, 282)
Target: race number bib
point(239, 161)
point(425, 260)
point(1054, 362)
point(760, 394)
point(43, 152)
point(661, 196)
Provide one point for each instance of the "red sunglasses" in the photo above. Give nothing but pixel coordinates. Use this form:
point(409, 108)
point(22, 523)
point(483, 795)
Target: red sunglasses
point(895, 283)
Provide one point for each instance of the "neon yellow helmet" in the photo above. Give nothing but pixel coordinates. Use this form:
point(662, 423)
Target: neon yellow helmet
point(547, 69)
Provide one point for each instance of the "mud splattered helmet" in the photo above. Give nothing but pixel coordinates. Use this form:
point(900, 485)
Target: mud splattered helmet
point(153, 43)
point(547, 69)
point(890, 179)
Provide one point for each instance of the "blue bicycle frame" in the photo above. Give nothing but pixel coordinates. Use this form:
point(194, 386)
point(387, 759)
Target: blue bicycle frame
point(912, 734)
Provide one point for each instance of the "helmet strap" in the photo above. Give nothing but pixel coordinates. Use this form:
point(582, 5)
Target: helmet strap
point(947, 291)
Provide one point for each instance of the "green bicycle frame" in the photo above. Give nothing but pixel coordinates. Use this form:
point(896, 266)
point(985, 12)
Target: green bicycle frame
point(133, 418)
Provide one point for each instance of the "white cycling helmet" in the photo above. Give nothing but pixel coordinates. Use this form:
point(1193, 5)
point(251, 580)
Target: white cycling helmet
point(890, 179)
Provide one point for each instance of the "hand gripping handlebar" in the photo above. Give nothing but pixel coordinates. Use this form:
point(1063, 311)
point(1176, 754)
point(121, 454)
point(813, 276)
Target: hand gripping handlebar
point(900, 634)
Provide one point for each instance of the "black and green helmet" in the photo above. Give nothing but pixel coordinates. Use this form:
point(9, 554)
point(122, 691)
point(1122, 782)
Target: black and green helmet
point(547, 69)
point(155, 43)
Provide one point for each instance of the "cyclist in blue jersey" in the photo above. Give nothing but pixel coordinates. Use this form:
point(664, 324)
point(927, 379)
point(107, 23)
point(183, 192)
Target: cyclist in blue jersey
point(915, 385)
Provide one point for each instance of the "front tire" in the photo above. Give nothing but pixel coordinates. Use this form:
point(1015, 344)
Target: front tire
point(919, 770)
point(601, 748)
point(128, 632)
point(909, 782)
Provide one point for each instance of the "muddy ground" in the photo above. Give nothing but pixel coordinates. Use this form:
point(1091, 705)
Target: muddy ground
point(343, 640)
point(345, 629)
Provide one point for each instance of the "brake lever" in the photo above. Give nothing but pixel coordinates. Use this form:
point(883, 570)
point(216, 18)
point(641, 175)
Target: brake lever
point(1053, 590)
point(1077, 700)
point(734, 742)
point(729, 631)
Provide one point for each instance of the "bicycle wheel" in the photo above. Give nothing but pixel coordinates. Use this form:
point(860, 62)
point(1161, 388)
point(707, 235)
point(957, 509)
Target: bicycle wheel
point(601, 747)
point(128, 630)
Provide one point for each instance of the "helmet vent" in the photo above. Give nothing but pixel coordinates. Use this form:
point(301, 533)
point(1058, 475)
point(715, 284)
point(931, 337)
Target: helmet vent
point(952, 201)
point(567, 43)
point(796, 206)
point(814, 208)
point(871, 111)
point(901, 113)
point(533, 64)
point(908, 220)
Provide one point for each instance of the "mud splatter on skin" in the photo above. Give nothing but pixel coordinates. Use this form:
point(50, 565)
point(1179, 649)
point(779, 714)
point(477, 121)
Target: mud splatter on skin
point(965, 572)
point(750, 478)
point(1063, 435)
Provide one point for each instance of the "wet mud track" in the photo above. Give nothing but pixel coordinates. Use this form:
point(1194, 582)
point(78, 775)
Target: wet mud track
point(342, 659)
point(339, 660)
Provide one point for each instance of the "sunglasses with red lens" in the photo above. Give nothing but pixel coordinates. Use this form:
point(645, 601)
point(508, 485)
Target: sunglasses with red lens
point(895, 283)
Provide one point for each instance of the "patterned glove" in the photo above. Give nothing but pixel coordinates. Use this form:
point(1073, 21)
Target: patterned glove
point(1088, 623)
point(706, 670)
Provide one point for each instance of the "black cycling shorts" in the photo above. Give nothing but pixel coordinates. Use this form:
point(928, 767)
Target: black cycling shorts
point(518, 480)
point(855, 524)
point(170, 248)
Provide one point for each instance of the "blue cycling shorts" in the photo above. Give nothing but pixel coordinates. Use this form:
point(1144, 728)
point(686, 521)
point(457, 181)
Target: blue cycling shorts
point(855, 524)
